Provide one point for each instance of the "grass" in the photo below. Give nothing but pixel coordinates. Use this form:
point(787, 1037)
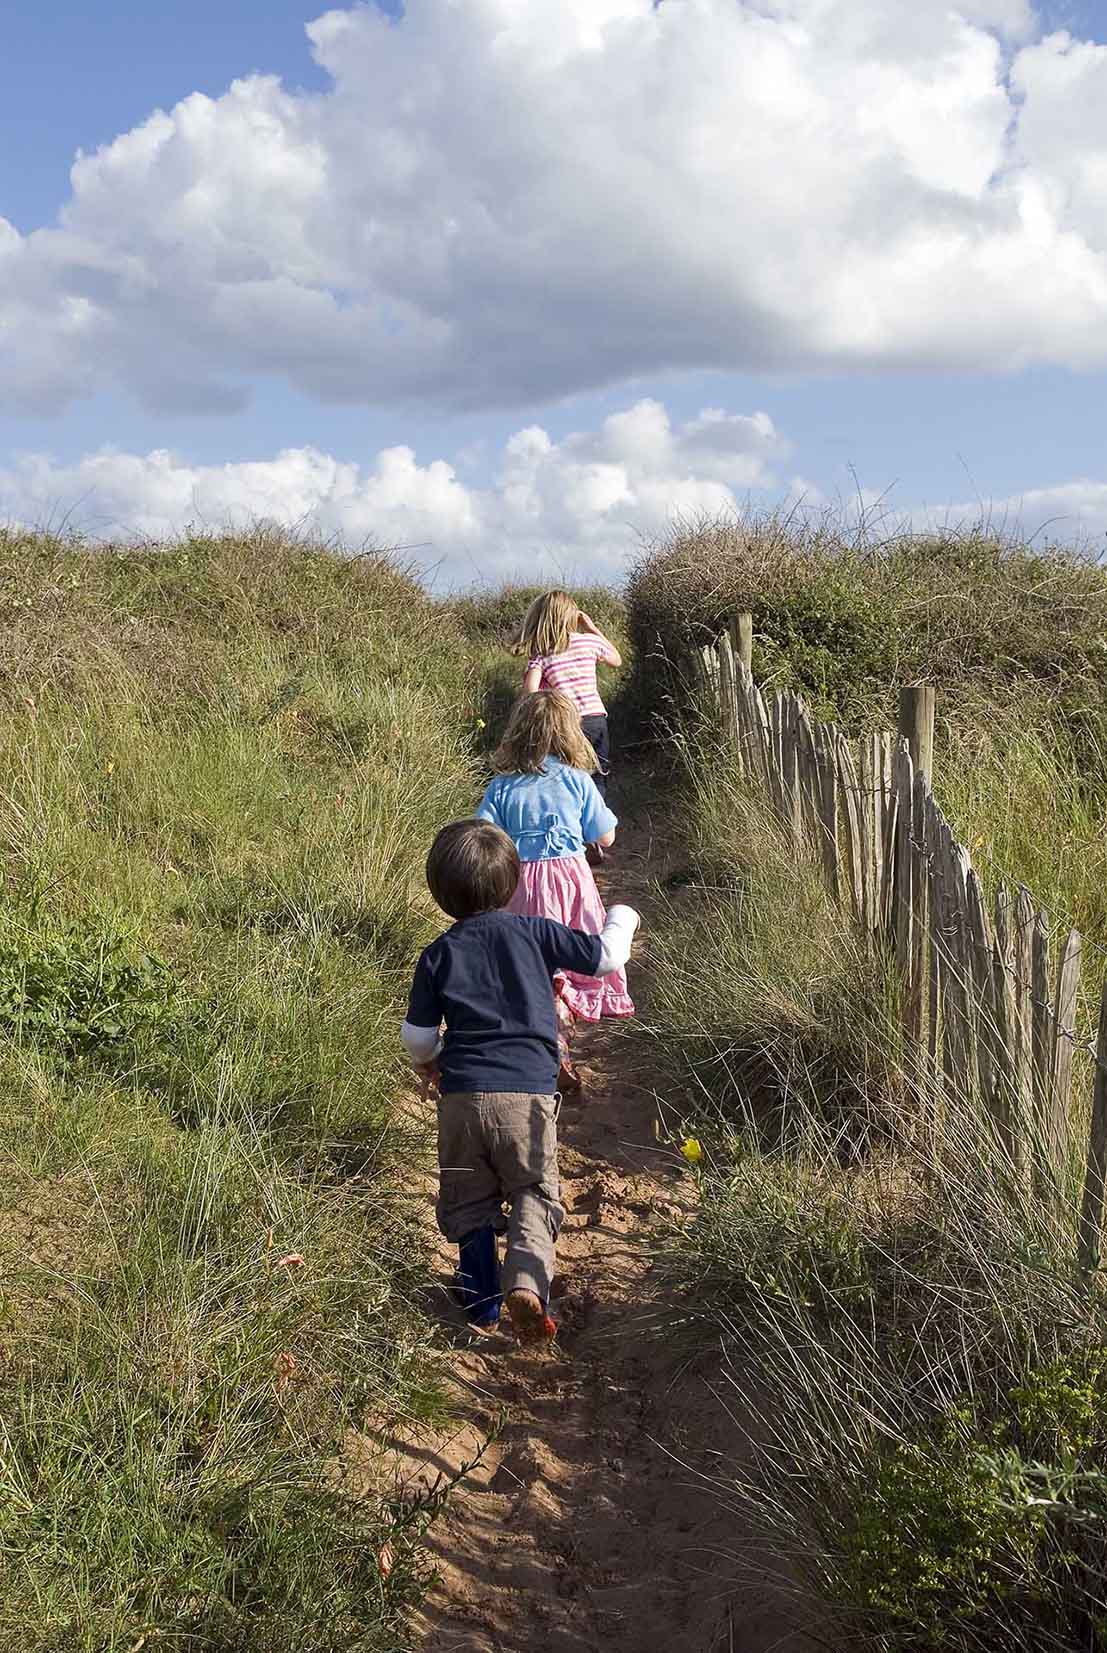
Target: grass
point(220, 766)
point(921, 1364)
point(1028, 792)
point(846, 614)
point(880, 1312)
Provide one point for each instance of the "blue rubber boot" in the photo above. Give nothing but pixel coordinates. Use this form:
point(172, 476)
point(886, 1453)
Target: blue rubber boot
point(477, 1288)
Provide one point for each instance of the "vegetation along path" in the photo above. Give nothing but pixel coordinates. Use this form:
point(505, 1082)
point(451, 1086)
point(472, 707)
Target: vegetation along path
point(591, 1522)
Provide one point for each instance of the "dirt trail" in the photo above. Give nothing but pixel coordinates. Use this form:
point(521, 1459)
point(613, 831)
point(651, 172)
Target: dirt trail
point(586, 1526)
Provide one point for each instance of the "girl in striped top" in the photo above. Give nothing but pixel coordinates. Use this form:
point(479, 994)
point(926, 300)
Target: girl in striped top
point(563, 646)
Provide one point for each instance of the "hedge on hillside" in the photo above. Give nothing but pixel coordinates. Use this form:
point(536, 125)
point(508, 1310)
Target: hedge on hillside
point(846, 623)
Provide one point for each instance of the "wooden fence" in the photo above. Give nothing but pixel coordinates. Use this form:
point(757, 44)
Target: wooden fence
point(988, 1001)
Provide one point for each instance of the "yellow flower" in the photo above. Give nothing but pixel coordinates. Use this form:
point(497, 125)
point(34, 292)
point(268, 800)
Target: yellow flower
point(110, 768)
point(691, 1150)
point(481, 723)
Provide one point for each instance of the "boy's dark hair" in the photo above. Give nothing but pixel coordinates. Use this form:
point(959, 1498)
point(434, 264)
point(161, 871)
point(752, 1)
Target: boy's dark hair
point(473, 867)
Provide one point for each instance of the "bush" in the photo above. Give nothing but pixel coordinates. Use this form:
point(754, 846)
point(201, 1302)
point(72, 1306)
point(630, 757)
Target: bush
point(988, 1528)
point(844, 621)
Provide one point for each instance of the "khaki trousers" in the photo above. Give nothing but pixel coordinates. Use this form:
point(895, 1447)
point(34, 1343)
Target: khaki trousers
point(497, 1148)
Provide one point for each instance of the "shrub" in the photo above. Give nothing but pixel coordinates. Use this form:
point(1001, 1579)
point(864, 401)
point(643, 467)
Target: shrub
point(844, 619)
point(988, 1528)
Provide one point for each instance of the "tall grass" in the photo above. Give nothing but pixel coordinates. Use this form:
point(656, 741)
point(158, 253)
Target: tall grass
point(904, 1324)
point(899, 1318)
point(220, 766)
point(845, 613)
point(1027, 789)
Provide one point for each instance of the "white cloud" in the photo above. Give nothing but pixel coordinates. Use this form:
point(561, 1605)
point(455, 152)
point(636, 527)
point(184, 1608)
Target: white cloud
point(583, 501)
point(501, 201)
point(1068, 513)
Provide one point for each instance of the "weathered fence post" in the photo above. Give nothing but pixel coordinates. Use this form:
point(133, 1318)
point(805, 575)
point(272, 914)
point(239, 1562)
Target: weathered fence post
point(728, 687)
point(916, 726)
point(743, 640)
point(1091, 1211)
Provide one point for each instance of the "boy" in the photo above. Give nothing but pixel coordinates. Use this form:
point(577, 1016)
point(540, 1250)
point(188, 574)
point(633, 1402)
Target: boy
point(489, 979)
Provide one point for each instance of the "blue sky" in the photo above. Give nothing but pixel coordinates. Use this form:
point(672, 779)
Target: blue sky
point(935, 427)
point(76, 75)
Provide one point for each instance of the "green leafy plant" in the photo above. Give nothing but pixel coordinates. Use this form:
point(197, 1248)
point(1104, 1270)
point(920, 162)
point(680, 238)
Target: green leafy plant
point(81, 990)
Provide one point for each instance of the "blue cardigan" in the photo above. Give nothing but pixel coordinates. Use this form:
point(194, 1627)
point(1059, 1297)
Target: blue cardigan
point(549, 815)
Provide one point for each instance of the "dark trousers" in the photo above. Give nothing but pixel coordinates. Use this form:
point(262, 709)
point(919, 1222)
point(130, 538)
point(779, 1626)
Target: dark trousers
point(597, 734)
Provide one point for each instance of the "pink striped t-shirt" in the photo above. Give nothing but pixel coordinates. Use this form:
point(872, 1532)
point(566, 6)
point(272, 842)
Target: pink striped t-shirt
point(573, 673)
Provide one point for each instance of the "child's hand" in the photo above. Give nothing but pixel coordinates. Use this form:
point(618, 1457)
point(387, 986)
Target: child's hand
point(629, 917)
point(429, 1076)
point(586, 622)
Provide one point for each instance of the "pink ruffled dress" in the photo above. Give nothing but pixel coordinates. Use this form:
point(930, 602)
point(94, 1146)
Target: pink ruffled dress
point(551, 816)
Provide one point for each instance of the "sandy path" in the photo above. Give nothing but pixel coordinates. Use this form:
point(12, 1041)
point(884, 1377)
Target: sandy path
point(586, 1526)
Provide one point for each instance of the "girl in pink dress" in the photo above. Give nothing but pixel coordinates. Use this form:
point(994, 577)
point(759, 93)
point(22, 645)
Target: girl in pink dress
point(563, 646)
point(544, 797)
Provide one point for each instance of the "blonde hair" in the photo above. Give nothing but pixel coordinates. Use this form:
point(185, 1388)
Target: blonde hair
point(548, 625)
point(543, 725)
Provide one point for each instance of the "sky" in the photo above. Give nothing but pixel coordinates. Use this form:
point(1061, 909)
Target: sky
point(518, 284)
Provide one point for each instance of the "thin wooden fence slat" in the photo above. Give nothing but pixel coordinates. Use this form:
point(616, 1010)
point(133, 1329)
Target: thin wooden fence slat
point(709, 674)
point(1004, 1087)
point(980, 956)
point(942, 899)
point(931, 844)
point(1045, 1163)
point(763, 731)
point(744, 721)
point(826, 771)
point(1063, 1032)
point(1008, 1073)
point(807, 812)
point(869, 871)
point(920, 914)
point(903, 780)
point(1022, 966)
point(1091, 1211)
point(790, 750)
point(749, 718)
point(849, 791)
point(887, 795)
point(879, 837)
point(776, 755)
point(956, 1020)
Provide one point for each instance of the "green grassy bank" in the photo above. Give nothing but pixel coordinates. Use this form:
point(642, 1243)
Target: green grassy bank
point(925, 1369)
